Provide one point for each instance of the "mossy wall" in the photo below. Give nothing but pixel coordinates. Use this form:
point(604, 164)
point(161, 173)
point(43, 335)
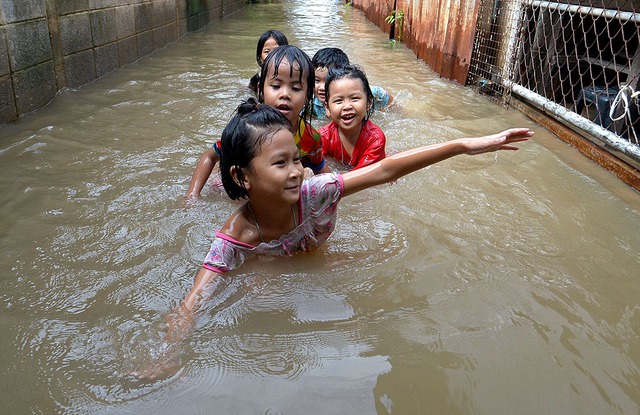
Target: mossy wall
point(47, 45)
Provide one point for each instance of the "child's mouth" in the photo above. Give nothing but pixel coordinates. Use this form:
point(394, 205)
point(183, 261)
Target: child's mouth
point(292, 189)
point(283, 108)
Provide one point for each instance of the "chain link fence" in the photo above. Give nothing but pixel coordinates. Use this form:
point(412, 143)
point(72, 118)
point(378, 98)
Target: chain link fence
point(577, 60)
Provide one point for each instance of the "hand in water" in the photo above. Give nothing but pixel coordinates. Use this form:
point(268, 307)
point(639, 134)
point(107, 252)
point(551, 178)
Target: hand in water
point(165, 369)
point(190, 200)
point(167, 362)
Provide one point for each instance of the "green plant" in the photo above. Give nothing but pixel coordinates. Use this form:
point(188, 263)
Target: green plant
point(397, 17)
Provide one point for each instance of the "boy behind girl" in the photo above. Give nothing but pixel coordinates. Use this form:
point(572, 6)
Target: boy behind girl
point(328, 58)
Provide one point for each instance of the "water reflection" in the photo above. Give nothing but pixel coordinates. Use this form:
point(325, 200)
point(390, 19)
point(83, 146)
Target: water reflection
point(477, 286)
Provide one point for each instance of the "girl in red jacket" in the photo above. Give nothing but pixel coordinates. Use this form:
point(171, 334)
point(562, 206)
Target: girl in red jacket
point(351, 137)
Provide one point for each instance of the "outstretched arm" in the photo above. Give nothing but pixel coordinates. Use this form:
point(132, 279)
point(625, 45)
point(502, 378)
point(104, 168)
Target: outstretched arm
point(180, 322)
point(401, 164)
point(203, 170)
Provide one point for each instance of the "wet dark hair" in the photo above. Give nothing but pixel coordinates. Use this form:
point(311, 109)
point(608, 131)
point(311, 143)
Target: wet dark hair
point(329, 58)
point(297, 59)
point(279, 37)
point(242, 139)
point(350, 72)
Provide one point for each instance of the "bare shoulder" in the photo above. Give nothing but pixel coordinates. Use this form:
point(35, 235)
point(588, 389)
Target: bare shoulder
point(239, 226)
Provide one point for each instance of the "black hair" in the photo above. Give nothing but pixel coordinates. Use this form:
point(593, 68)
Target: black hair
point(350, 72)
point(329, 58)
point(242, 139)
point(279, 37)
point(297, 59)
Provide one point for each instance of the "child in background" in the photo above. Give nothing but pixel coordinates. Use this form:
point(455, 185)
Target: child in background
point(284, 214)
point(351, 137)
point(326, 59)
point(287, 75)
point(269, 40)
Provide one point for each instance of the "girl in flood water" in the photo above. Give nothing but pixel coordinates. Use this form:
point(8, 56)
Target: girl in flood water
point(351, 137)
point(284, 214)
point(287, 81)
point(269, 40)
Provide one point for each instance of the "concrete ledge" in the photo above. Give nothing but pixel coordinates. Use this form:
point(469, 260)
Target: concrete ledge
point(107, 59)
point(143, 17)
point(127, 51)
point(101, 4)
point(145, 43)
point(47, 45)
point(4, 55)
point(71, 6)
point(28, 44)
point(21, 10)
point(103, 26)
point(125, 21)
point(75, 32)
point(161, 37)
point(620, 165)
point(80, 68)
point(8, 110)
point(34, 87)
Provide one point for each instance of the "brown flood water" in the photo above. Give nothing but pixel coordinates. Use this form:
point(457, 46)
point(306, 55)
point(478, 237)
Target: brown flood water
point(493, 284)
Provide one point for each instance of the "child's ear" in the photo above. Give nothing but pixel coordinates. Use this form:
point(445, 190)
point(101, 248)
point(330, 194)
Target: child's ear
point(326, 109)
point(239, 177)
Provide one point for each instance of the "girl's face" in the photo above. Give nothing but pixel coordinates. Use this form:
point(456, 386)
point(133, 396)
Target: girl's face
point(275, 174)
point(287, 91)
point(348, 103)
point(269, 45)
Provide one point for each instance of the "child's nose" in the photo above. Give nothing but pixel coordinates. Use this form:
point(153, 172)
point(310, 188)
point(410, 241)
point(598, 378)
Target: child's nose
point(285, 92)
point(295, 171)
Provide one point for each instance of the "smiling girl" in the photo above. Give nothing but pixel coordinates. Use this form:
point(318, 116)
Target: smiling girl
point(283, 214)
point(351, 137)
point(287, 80)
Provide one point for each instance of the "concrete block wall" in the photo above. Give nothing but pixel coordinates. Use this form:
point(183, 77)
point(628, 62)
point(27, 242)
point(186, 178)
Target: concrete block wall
point(48, 45)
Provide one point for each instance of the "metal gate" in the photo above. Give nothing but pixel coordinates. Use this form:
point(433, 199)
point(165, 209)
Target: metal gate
point(578, 61)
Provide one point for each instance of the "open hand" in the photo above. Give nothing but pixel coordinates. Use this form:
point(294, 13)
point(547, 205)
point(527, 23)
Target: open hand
point(499, 141)
point(167, 360)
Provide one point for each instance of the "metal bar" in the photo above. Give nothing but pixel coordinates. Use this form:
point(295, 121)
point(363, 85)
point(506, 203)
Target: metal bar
point(562, 114)
point(513, 38)
point(594, 11)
